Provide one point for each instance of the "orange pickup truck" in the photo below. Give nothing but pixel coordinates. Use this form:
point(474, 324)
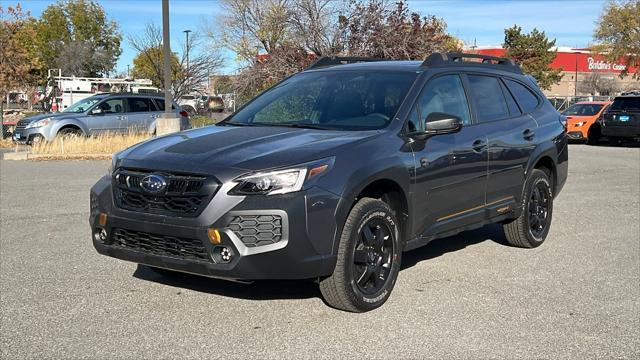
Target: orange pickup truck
point(581, 118)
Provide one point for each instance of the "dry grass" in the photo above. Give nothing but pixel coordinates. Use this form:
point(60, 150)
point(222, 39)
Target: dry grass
point(6, 143)
point(87, 146)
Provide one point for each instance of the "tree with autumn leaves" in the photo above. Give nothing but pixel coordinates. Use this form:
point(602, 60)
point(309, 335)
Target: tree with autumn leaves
point(18, 58)
point(276, 38)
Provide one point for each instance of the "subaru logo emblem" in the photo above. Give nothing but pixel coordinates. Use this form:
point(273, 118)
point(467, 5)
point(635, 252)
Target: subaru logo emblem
point(153, 183)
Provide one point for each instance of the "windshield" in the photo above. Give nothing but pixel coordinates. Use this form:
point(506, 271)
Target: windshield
point(583, 110)
point(626, 103)
point(342, 100)
point(83, 105)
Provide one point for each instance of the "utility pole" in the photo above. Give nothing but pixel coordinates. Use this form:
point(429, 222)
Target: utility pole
point(169, 123)
point(166, 54)
point(128, 76)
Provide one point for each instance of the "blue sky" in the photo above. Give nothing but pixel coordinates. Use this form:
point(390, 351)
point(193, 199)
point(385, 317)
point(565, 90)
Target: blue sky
point(571, 22)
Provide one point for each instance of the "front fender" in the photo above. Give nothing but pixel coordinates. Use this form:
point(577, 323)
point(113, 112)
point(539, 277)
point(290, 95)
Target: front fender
point(59, 124)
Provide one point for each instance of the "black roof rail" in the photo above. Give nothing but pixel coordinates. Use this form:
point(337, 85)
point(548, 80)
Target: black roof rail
point(327, 61)
point(439, 59)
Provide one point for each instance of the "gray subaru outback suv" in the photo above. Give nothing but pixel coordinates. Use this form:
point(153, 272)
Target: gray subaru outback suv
point(98, 114)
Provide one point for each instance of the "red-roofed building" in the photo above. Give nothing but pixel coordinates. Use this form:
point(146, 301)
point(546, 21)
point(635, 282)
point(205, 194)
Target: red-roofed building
point(595, 75)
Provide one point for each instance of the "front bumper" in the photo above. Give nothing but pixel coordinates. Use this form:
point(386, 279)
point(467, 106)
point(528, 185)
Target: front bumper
point(305, 249)
point(576, 135)
point(26, 136)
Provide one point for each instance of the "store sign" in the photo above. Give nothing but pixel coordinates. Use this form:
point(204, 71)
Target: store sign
point(594, 64)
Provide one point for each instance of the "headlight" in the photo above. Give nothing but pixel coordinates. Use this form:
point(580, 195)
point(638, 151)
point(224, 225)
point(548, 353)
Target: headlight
point(39, 123)
point(280, 181)
point(578, 124)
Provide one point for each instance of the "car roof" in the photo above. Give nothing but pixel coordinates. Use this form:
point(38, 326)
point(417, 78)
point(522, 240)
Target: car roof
point(128, 94)
point(410, 66)
point(593, 103)
point(392, 65)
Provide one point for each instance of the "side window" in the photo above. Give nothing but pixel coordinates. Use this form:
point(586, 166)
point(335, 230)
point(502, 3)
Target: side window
point(444, 94)
point(511, 102)
point(140, 105)
point(527, 100)
point(113, 106)
point(160, 103)
point(488, 98)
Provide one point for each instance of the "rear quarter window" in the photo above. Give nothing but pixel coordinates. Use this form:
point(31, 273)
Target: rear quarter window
point(527, 100)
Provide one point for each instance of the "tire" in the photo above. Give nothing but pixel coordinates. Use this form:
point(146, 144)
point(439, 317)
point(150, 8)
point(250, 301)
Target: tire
point(529, 230)
point(190, 110)
point(69, 133)
point(594, 135)
point(369, 256)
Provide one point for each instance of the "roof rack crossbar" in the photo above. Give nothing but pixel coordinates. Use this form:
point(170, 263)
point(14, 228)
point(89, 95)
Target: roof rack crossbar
point(327, 61)
point(439, 59)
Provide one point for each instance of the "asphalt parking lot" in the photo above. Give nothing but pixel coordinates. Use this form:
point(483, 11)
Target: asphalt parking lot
point(469, 296)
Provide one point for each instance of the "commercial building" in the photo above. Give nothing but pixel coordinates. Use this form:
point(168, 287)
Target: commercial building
point(585, 73)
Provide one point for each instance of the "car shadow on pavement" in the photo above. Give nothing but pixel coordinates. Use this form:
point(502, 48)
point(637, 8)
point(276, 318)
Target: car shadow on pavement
point(453, 243)
point(258, 290)
point(304, 289)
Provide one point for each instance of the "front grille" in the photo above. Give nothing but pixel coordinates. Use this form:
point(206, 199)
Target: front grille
point(22, 124)
point(257, 230)
point(184, 195)
point(164, 245)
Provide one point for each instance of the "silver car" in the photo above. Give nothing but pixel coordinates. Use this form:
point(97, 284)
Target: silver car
point(99, 114)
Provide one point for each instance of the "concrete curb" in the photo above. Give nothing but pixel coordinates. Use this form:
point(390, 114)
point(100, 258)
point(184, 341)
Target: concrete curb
point(23, 155)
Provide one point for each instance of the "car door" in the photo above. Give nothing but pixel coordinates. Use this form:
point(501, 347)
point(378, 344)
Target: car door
point(140, 114)
point(511, 135)
point(451, 169)
point(111, 119)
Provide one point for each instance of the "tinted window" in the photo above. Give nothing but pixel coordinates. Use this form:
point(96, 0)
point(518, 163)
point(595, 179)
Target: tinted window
point(346, 100)
point(160, 104)
point(488, 98)
point(444, 94)
point(113, 106)
point(528, 101)
point(583, 110)
point(140, 105)
point(626, 103)
point(514, 110)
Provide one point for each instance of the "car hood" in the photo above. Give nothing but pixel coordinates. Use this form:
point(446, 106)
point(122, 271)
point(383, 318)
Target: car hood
point(227, 151)
point(30, 119)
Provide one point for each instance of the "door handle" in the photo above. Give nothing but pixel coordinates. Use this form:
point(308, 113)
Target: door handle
point(528, 134)
point(479, 145)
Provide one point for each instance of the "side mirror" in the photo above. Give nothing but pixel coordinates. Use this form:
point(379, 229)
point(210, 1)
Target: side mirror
point(96, 111)
point(441, 123)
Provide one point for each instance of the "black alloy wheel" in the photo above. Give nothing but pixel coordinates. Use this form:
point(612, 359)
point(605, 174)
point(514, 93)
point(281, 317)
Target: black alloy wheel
point(373, 256)
point(539, 209)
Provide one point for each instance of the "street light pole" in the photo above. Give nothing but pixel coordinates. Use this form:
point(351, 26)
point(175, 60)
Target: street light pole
point(186, 32)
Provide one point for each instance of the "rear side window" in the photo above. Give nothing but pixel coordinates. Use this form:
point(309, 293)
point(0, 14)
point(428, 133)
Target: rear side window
point(488, 98)
point(140, 105)
point(626, 103)
point(528, 101)
point(160, 103)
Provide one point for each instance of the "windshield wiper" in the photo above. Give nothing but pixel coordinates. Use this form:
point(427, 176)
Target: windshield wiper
point(233, 123)
point(301, 126)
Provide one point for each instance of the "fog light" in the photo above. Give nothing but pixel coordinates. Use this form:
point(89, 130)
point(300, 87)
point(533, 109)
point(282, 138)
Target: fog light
point(225, 254)
point(102, 219)
point(100, 234)
point(214, 236)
